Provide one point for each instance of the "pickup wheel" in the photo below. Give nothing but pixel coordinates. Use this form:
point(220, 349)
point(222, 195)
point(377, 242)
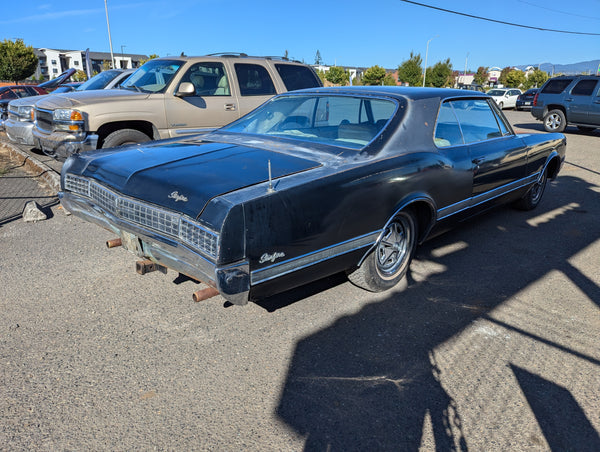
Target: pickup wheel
point(555, 121)
point(387, 264)
point(123, 137)
point(534, 195)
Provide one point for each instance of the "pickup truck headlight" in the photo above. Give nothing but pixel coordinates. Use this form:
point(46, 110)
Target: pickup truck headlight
point(22, 113)
point(68, 120)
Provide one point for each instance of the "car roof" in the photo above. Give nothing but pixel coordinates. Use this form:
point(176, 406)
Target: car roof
point(240, 56)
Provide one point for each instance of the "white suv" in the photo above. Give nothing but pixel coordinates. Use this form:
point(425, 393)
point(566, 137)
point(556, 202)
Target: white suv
point(505, 97)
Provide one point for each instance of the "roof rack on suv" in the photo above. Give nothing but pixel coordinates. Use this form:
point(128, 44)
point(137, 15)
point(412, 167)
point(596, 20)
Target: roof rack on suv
point(229, 54)
point(245, 55)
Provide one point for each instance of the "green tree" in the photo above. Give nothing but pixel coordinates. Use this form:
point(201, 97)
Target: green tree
point(151, 57)
point(536, 79)
point(376, 75)
point(17, 61)
point(515, 78)
point(503, 74)
point(481, 77)
point(410, 71)
point(79, 76)
point(440, 75)
point(322, 75)
point(338, 76)
point(318, 59)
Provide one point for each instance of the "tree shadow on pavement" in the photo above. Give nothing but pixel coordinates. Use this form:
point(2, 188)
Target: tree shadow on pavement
point(370, 381)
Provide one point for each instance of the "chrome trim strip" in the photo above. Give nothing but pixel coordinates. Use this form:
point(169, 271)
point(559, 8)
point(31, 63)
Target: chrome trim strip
point(485, 197)
point(306, 260)
point(190, 131)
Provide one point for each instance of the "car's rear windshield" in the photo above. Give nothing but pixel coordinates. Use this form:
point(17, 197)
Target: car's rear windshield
point(556, 86)
point(345, 121)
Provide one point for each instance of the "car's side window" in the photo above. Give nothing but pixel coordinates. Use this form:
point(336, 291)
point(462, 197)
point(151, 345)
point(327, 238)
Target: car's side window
point(477, 120)
point(447, 130)
point(584, 87)
point(208, 78)
point(254, 80)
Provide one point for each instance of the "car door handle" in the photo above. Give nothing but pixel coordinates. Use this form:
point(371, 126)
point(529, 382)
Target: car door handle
point(570, 99)
point(597, 101)
point(229, 107)
point(478, 161)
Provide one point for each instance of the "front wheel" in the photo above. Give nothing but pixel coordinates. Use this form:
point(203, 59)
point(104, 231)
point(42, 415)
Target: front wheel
point(123, 137)
point(387, 264)
point(501, 105)
point(555, 121)
point(534, 195)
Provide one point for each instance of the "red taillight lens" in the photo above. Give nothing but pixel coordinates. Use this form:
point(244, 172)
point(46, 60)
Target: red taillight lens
point(535, 99)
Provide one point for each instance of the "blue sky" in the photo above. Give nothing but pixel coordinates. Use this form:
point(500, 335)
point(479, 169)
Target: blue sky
point(349, 33)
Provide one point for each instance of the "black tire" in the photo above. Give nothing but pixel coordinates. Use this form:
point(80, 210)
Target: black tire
point(555, 121)
point(123, 137)
point(586, 129)
point(387, 264)
point(532, 198)
point(501, 105)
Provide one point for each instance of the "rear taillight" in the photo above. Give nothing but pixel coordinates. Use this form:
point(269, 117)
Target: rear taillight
point(535, 99)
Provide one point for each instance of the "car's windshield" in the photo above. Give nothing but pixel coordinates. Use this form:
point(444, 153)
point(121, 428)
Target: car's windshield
point(99, 81)
point(153, 77)
point(345, 121)
point(496, 92)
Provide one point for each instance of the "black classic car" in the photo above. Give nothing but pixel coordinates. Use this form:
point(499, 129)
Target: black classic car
point(312, 183)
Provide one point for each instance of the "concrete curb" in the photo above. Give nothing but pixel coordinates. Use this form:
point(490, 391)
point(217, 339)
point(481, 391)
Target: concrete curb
point(49, 176)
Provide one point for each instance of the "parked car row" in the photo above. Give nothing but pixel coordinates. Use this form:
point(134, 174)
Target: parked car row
point(20, 122)
point(165, 98)
point(12, 92)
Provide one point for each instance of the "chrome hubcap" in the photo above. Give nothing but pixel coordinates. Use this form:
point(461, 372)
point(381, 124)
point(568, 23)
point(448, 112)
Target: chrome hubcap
point(393, 248)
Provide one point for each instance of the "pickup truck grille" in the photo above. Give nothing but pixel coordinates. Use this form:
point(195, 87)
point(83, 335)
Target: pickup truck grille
point(146, 215)
point(43, 119)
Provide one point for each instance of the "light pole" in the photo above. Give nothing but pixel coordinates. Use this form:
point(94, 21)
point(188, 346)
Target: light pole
point(123, 58)
point(112, 57)
point(426, 54)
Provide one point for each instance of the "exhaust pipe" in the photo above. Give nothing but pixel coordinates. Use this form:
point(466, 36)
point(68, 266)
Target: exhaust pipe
point(205, 294)
point(113, 243)
point(147, 266)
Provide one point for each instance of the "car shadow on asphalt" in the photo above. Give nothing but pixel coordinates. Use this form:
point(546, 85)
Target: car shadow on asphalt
point(370, 380)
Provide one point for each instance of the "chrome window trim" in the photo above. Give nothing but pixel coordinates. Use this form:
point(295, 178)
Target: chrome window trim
point(315, 257)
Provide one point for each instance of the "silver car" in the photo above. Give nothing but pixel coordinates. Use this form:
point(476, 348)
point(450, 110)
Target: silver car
point(19, 124)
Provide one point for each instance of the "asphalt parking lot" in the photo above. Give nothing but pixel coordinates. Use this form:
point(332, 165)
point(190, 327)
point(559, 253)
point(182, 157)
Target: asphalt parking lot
point(490, 345)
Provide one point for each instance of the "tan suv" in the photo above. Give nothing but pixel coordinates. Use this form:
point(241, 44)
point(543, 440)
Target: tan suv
point(165, 98)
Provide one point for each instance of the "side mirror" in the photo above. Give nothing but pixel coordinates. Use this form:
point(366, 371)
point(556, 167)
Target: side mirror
point(186, 89)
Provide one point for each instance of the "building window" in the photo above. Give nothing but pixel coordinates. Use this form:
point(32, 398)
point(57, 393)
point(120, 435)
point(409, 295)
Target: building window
point(76, 63)
point(53, 61)
point(55, 71)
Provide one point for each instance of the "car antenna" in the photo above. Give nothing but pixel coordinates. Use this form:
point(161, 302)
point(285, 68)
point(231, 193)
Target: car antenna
point(270, 189)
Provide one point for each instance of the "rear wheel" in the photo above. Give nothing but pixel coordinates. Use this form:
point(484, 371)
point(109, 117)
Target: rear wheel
point(123, 137)
point(387, 264)
point(533, 197)
point(555, 121)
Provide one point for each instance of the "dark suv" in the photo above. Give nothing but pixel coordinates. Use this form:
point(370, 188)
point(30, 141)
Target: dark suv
point(569, 100)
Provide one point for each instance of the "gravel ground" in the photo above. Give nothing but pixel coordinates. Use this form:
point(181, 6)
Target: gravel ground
point(490, 345)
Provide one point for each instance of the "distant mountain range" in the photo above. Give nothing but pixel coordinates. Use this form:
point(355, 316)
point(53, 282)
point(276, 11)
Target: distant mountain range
point(585, 67)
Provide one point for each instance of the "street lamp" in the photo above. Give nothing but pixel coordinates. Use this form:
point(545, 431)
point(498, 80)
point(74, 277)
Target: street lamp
point(112, 57)
point(426, 54)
